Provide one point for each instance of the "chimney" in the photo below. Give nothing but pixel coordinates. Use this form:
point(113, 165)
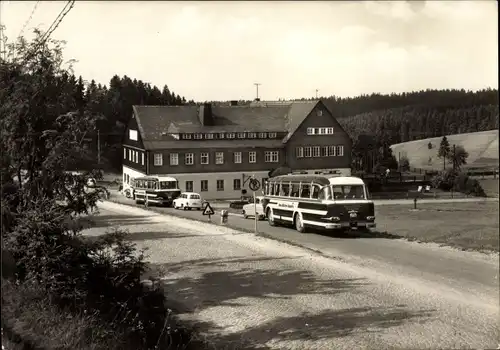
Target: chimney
point(205, 114)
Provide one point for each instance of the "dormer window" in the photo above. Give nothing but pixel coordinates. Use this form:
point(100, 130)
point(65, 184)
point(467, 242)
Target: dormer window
point(272, 135)
point(252, 135)
point(198, 136)
point(186, 136)
point(231, 135)
point(241, 135)
point(209, 136)
point(262, 135)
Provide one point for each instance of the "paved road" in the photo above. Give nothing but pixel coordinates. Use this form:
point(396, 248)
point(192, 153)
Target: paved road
point(458, 269)
point(241, 288)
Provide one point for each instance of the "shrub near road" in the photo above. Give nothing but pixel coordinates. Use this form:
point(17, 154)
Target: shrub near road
point(68, 292)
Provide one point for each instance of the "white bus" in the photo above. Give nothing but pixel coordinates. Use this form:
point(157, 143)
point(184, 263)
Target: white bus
point(157, 189)
point(321, 201)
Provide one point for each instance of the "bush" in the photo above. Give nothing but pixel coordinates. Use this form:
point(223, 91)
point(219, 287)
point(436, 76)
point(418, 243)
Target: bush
point(100, 276)
point(458, 181)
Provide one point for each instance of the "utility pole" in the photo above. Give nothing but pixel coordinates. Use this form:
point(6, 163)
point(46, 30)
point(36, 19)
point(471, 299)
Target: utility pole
point(257, 86)
point(98, 147)
point(317, 93)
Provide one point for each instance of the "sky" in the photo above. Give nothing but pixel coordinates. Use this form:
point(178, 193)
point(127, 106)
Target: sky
point(218, 50)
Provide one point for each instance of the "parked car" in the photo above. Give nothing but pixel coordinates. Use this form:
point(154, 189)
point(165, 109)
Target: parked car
point(249, 209)
point(188, 201)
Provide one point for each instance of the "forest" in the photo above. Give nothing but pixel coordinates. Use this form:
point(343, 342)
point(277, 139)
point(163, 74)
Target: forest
point(412, 116)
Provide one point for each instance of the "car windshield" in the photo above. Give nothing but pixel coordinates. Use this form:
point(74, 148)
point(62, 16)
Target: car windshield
point(347, 192)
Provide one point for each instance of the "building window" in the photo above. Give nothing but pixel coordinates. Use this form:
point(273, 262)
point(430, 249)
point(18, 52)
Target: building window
point(272, 135)
point(237, 184)
point(219, 158)
point(319, 112)
point(186, 136)
point(204, 158)
point(133, 156)
point(136, 157)
point(324, 151)
point(189, 158)
point(322, 131)
point(252, 157)
point(231, 135)
point(132, 134)
point(158, 159)
point(331, 151)
point(124, 153)
point(209, 136)
point(142, 156)
point(237, 157)
point(307, 152)
point(262, 135)
point(299, 151)
point(252, 135)
point(189, 186)
point(174, 158)
point(130, 154)
point(241, 135)
point(271, 157)
point(220, 185)
point(310, 131)
point(198, 136)
point(221, 135)
point(340, 151)
point(204, 185)
point(329, 131)
point(316, 151)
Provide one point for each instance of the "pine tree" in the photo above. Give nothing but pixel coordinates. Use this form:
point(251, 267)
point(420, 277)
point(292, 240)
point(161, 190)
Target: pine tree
point(444, 150)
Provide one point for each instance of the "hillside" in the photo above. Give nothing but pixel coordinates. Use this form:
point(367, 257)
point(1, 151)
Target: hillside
point(481, 146)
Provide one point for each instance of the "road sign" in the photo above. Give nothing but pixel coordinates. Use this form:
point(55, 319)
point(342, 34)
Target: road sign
point(254, 184)
point(208, 210)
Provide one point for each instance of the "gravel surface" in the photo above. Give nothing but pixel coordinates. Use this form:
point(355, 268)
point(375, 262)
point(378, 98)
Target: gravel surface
point(245, 292)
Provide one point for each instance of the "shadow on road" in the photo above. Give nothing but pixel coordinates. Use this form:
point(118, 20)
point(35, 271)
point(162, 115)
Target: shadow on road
point(244, 280)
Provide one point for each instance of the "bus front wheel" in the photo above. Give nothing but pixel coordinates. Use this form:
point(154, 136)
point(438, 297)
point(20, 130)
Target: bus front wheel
point(270, 217)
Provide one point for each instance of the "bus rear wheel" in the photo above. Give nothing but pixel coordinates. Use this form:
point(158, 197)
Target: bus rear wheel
point(299, 223)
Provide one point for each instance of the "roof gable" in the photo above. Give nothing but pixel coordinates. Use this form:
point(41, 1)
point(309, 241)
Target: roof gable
point(299, 111)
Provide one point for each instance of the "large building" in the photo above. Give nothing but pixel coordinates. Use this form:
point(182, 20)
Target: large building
point(214, 150)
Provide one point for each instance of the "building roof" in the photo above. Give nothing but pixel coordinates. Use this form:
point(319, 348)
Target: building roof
point(155, 123)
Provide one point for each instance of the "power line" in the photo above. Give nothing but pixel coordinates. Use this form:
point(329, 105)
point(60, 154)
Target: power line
point(43, 39)
point(29, 19)
point(69, 5)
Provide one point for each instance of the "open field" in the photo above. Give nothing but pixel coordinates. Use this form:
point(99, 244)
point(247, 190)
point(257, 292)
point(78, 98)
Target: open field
point(470, 226)
point(490, 186)
point(481, 146)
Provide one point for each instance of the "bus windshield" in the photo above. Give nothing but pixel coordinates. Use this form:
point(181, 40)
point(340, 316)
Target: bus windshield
point(168, 185)
point(347, 192)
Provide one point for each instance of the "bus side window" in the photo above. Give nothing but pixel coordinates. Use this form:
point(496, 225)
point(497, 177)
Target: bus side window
point(305, 190)
point(315, 192)
point(277, 188)
point(285, 189)
point(295, 188)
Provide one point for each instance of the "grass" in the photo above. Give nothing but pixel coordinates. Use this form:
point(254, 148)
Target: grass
point(466, 226)
point(481, 146)
point(31, 320)
point(490, 186)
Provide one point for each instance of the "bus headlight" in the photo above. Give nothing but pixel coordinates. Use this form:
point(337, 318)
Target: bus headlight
point(332, 218)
